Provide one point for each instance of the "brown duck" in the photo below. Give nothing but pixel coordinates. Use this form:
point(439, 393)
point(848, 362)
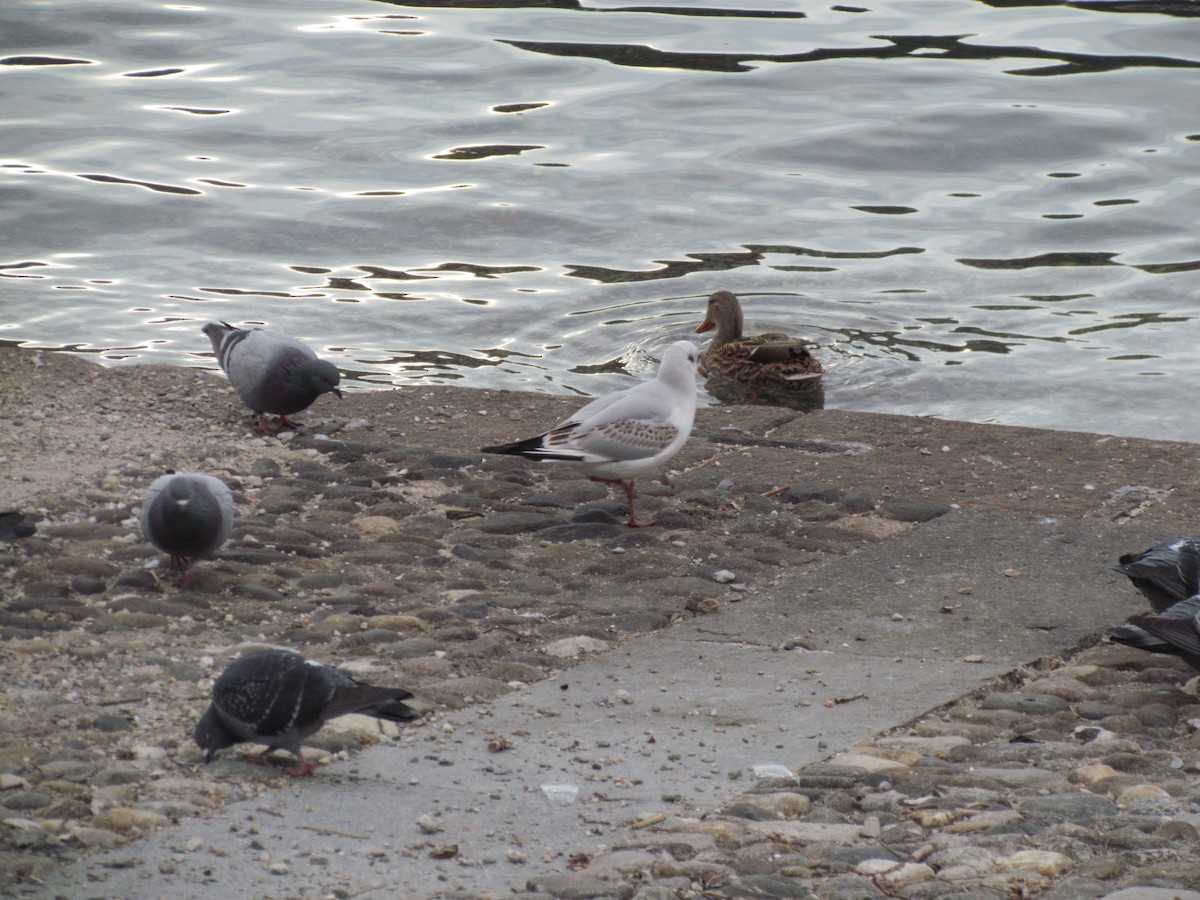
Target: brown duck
point(764, 360)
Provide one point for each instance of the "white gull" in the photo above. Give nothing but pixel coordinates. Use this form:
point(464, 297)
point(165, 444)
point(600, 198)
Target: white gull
point(620, 436)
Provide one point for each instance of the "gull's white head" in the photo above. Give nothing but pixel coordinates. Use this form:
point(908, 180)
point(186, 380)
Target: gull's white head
point(681, 355)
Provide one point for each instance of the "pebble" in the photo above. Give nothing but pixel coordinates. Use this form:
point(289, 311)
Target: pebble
point(1092, 775)
point(125, 820)
point(1041, 861)
point(569, 648)
point(1094, 710)
point(430, 824)
point(1030, 703)
point(87, 585)
point(905, 876)
point(1076, 808)
point(903, 510)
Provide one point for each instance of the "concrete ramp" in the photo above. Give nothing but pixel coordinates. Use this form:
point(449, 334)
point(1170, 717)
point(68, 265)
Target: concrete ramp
point(669, 722)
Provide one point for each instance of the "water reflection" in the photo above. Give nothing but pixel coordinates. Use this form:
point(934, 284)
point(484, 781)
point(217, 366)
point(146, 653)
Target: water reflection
point(898, 196)
point(575, 5)
point(723, 262)
point(803, 397)
point(1079, 259)
point(42, 61)
point(149, 185)
point(154, 73)
point(1184, 8)
point(942, 47)
point(1131, 320)
point(488, 150)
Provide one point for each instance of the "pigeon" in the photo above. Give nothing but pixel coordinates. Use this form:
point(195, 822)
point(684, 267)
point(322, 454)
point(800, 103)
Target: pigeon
point(1175, 630)
point(1166, 573)
point(272, 372)
point(187, 516)
point(620, 436)
point(279, 698)
point(15, 525)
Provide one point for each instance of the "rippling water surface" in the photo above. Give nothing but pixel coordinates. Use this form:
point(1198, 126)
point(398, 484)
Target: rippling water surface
point(981, 211)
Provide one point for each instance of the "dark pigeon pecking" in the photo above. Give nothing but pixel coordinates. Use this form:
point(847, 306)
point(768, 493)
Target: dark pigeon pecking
point(187, 516)
point(1175, 631)
point(272, 372)
point(279, 698)
point(14, 525)
point(1166, 573)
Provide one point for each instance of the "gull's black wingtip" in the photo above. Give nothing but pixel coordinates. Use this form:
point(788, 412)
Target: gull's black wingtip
point(516, 448)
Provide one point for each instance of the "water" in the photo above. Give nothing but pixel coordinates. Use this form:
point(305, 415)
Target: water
point(979, 211)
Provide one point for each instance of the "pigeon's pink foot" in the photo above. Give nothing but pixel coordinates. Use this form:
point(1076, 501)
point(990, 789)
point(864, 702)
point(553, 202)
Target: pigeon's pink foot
point(269, 428)
point(183, 566)
point(299, 771)
point(304, 770)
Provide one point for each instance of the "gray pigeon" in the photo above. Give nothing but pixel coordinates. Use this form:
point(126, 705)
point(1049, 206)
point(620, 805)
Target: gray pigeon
point(271, 371)
point(1166, 573)
point(187, 516)
point(279, 698)
point(1175, 630)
